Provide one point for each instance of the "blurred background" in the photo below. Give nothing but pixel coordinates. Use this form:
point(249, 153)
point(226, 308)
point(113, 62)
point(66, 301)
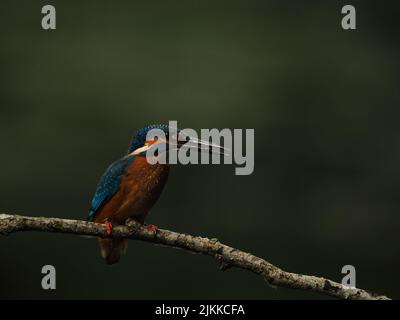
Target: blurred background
point(324, 104)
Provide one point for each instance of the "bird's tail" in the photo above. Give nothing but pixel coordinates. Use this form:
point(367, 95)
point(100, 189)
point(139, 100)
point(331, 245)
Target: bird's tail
point(111, 249)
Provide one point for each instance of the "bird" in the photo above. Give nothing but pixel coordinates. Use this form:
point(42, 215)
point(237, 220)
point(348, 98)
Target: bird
point(130, 186)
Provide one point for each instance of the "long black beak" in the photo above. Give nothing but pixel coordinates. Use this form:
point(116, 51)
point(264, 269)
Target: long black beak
point(189, 142)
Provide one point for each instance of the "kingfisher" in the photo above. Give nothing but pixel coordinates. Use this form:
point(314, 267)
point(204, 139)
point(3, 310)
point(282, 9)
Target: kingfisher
point(130, 186)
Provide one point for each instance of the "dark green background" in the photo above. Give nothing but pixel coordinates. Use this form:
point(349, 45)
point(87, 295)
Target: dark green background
point(324, 103)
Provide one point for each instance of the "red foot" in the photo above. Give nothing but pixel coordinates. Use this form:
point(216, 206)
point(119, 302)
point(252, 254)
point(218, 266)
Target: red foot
point(109, 227)
point(152, 228)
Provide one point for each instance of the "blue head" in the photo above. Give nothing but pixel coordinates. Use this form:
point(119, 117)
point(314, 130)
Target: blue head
point(139, 139)
point(174, 137)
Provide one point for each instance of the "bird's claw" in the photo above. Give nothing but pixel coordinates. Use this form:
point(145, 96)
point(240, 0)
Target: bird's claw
point(152, 228)
point(109, 227)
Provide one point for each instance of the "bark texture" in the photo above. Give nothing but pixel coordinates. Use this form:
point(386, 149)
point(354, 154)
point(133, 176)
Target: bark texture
point(226, 255)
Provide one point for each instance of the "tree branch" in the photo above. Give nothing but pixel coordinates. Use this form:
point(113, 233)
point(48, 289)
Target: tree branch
point(226, 256)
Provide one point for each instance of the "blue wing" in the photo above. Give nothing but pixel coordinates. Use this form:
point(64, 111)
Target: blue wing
point(109, 184)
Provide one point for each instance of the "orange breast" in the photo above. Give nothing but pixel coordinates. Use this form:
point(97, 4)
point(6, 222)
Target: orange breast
point(140, 188)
